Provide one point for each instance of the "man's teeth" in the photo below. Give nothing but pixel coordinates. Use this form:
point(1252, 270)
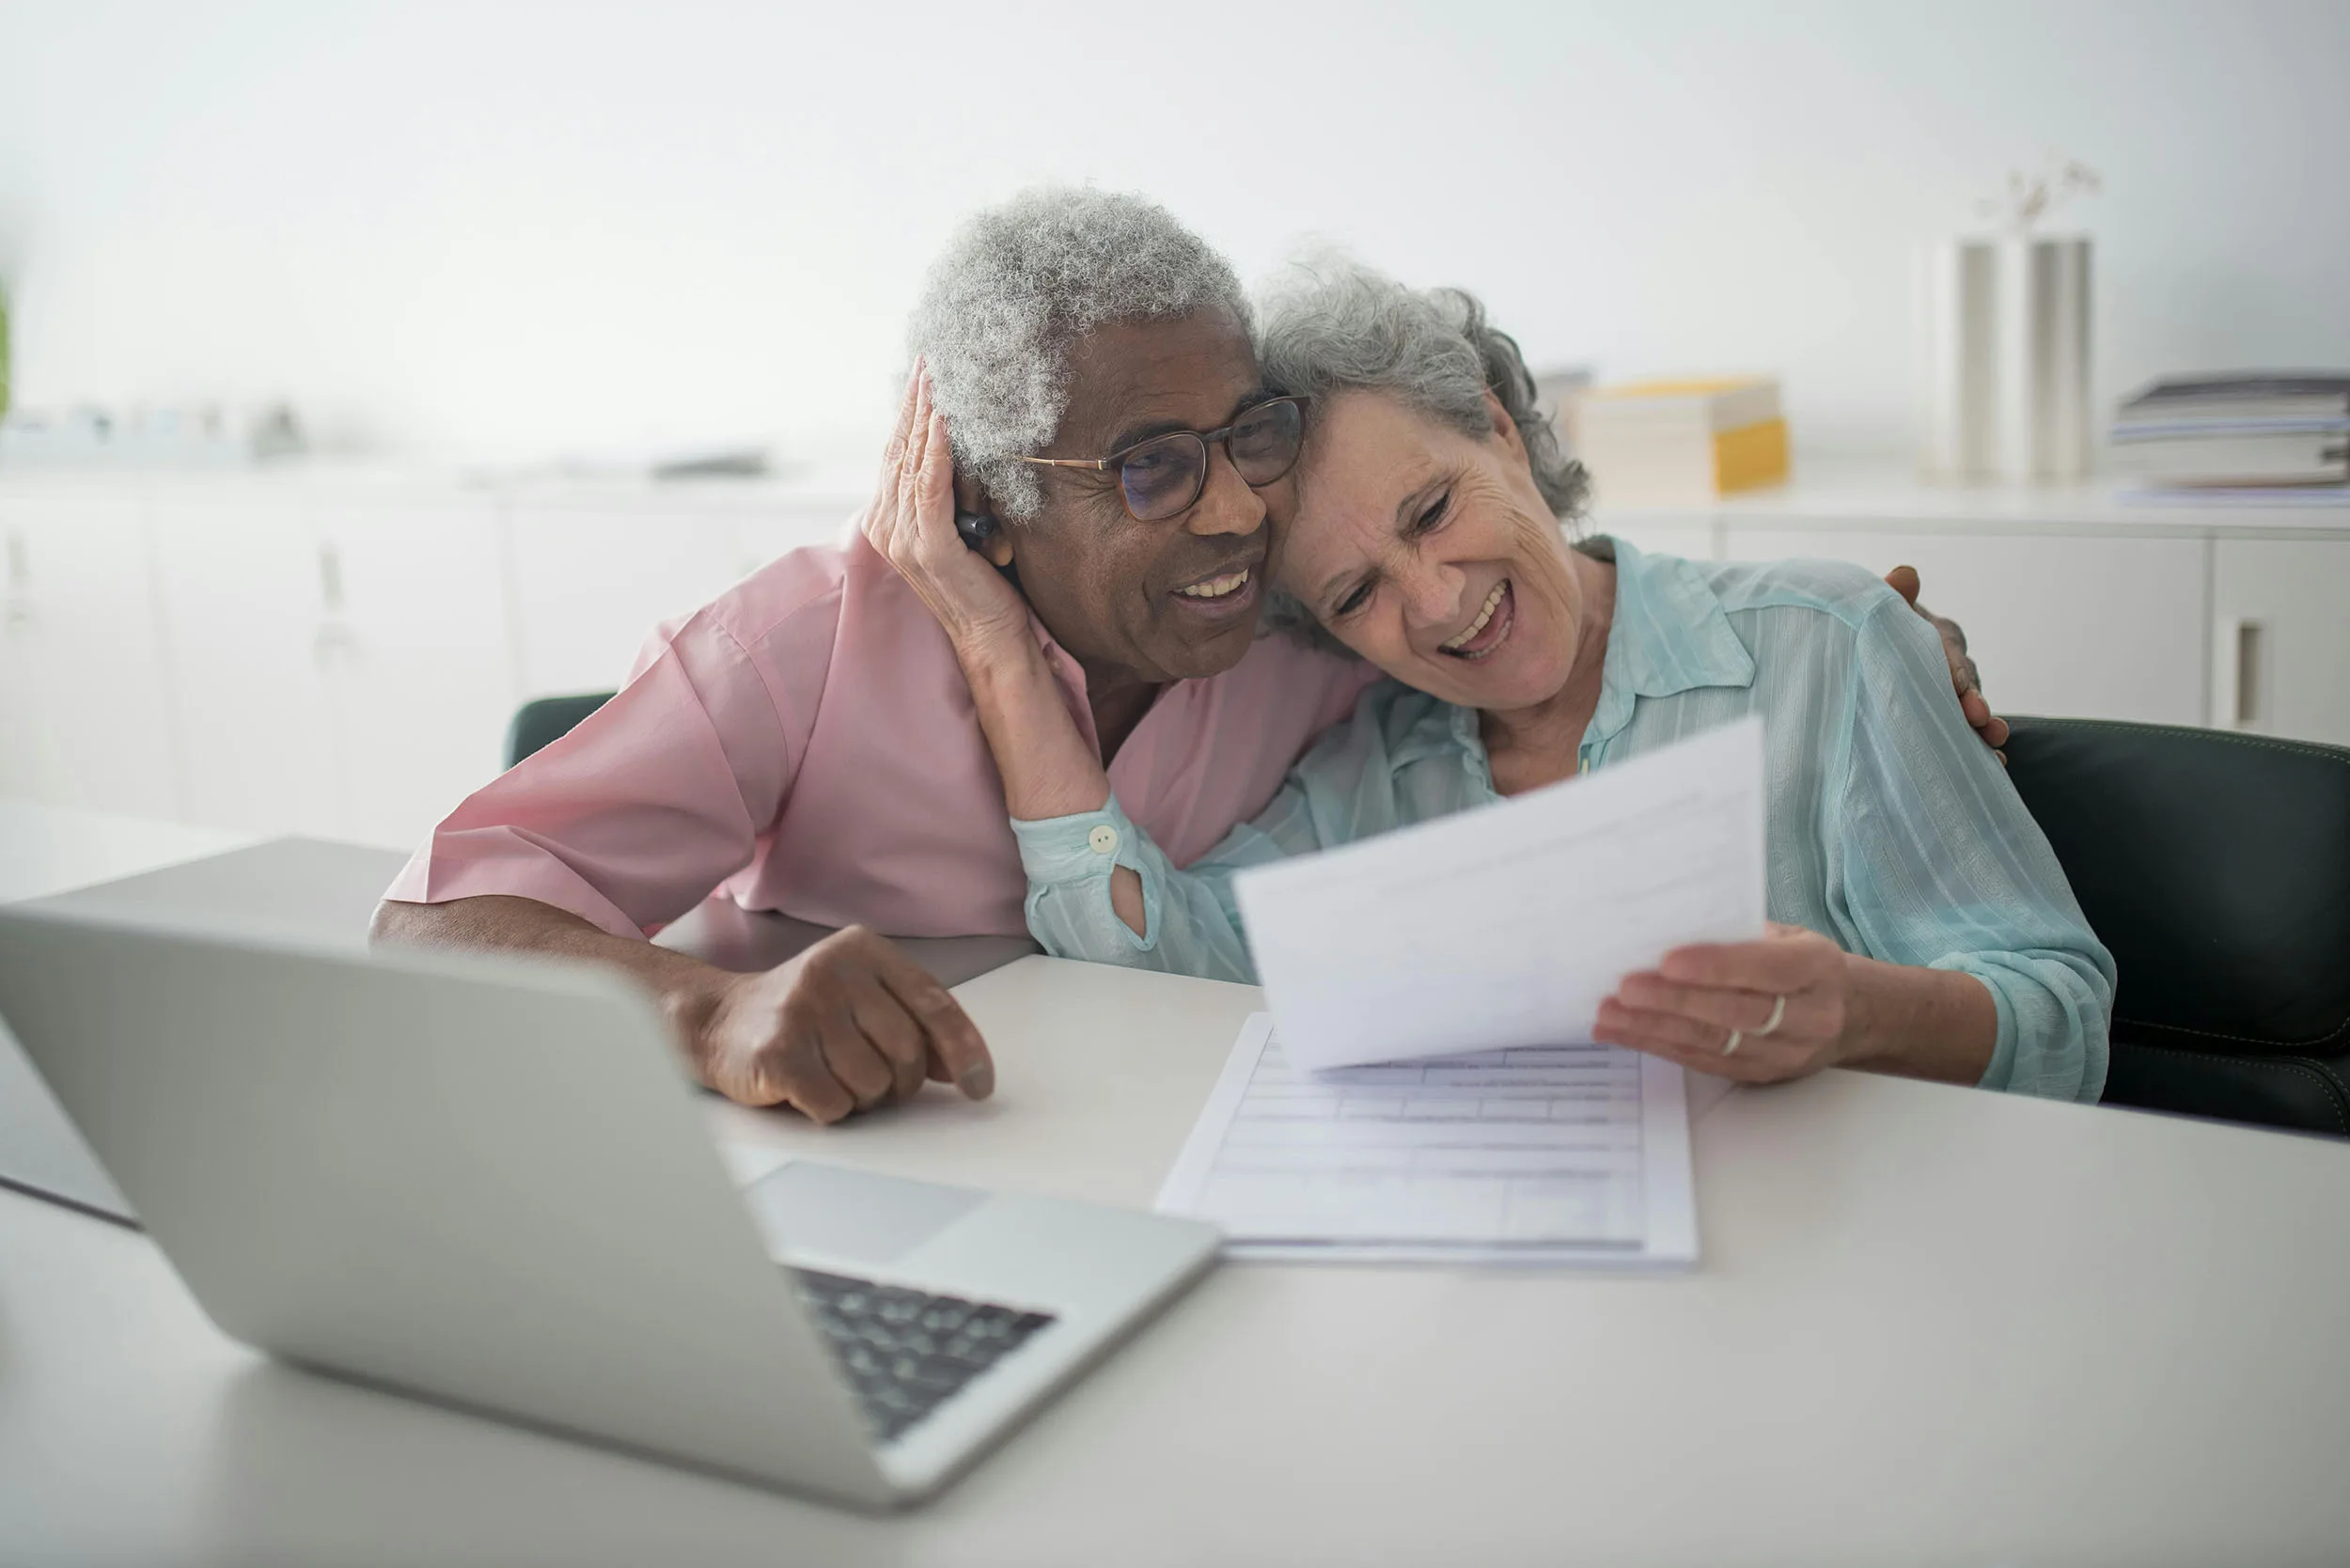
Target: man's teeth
point(1216, 588)
point(1492, 602)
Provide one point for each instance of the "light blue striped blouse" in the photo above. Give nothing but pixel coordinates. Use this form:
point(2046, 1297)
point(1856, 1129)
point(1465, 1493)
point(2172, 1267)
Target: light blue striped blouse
point(1892, 828)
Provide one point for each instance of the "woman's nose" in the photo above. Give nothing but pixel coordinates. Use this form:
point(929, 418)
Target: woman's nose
point(1432, 592)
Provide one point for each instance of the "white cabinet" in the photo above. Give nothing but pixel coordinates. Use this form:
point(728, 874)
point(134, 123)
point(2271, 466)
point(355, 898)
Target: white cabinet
point(419, 665)
point(2280, 639)
point(763, 534)
point(593, 577)
point(591, 582)
point(337, 655)
point(86, 711)
point(344, 667)
point(248, 619)
point(2074, 627)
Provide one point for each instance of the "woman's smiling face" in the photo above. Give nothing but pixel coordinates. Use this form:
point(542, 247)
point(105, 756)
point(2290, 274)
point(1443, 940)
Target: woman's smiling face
point(1429, 551)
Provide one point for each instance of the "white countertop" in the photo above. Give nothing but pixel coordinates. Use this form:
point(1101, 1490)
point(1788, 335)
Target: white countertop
point(1929, 1322)
point(1881, 492)
point(828, 486)
point(1872, 489)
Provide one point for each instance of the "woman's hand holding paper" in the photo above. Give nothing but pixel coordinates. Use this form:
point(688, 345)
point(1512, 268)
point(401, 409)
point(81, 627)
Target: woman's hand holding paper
point(1755, 1012)
point(1793, 1003)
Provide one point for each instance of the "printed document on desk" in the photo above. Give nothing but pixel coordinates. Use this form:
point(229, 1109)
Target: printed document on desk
point(1509, 926)
point(1574, 1155)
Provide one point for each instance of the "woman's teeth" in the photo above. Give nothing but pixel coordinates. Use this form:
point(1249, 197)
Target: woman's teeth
point(1216, 588)
point(1492, 602)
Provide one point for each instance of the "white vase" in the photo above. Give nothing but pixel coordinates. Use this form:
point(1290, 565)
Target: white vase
point(1957, 306)
point(2042, 357)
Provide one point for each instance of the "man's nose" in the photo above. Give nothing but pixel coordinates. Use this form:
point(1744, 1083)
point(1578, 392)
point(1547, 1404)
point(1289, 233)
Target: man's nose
point(1226, 504)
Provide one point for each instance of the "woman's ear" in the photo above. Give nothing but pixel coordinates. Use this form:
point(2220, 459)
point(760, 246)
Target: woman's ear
point(970, 496)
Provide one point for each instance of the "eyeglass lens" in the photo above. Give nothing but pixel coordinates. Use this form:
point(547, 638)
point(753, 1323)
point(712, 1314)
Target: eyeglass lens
point(1167, 474)
point(1264, 441)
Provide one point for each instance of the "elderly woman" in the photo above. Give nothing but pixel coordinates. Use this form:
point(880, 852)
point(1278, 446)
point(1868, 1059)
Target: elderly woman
point(1922, 924)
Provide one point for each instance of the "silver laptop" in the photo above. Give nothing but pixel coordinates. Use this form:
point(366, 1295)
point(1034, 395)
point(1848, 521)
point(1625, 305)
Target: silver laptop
point(488, 1184)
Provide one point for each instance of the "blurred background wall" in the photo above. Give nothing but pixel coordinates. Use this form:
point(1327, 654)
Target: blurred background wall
point(494, 231)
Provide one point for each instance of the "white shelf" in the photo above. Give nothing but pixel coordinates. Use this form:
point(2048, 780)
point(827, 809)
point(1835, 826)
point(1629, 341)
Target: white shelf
point(1834, 493)
point(836, 488)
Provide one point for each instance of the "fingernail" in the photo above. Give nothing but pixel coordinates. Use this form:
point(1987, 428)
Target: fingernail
point(979, 1080)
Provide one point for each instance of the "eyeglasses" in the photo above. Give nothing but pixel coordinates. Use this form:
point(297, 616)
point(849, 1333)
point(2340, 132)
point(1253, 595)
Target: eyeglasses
point(1165, 475)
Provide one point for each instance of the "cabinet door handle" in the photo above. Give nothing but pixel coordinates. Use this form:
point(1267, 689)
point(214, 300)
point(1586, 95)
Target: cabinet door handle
point(334, 644)
point(20, 611)
point(2240, 672)
point(331, 579)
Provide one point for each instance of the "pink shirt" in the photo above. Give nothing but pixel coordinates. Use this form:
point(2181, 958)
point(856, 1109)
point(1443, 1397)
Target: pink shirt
point(805, 743)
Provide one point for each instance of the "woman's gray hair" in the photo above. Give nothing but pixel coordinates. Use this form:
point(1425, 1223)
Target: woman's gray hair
point(1016, 287)
point(1343, 327)
point(1339, 326)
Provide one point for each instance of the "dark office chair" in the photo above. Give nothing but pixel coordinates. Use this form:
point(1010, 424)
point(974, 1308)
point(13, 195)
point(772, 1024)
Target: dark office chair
point(545, 720)
point(2217, 867)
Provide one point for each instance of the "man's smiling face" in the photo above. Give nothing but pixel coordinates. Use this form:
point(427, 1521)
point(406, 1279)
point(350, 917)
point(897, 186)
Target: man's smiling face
point(1160, 599)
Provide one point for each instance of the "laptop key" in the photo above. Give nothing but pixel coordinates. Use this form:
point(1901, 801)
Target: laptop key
point(905, 1352)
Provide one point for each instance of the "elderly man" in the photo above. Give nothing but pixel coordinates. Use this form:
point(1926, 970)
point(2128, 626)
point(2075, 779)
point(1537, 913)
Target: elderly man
point(806, 742)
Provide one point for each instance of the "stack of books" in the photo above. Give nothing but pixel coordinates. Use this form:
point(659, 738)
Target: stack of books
point(1669, 442)
point(2264, 439)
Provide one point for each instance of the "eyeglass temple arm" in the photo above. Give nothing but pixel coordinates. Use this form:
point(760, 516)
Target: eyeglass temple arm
point(1096, 463)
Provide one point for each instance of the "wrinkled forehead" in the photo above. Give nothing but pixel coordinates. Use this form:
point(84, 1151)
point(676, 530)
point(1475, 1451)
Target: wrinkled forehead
point(1131, 380)
point(1368, 457)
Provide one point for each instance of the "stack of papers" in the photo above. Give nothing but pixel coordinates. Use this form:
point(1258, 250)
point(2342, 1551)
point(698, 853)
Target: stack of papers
point(1669, 442)
point(2265, 439)
point(1547, 1154)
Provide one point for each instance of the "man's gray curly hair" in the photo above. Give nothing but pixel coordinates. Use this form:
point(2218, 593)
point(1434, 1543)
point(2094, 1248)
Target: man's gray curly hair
point(1339, 326)
point(1016, 287)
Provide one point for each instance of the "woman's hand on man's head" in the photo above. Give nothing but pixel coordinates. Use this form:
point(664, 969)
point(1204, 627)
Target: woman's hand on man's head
point(1965, 678)
point(911, 522)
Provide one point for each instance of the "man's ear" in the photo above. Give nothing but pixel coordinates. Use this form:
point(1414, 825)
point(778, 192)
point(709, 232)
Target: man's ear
point(1504, 427)
point(971, 496)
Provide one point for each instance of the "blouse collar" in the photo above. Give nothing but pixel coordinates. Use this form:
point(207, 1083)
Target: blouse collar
point(1671, 636)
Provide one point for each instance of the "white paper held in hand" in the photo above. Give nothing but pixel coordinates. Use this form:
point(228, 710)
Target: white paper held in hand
point(1509, 926)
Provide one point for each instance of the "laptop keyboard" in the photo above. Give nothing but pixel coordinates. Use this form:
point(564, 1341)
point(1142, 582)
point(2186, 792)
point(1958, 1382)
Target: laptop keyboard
point(907, 1352)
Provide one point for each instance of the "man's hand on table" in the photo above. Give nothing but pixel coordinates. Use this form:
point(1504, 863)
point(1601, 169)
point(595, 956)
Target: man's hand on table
point(1965, 679)
point(851, 1024)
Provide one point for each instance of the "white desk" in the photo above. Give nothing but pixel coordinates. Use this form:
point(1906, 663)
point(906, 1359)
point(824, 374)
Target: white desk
point(1931, 1324)
point(48, 849)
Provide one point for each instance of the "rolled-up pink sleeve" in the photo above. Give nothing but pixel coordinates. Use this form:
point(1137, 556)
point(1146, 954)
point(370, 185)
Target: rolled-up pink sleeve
point(641, 811)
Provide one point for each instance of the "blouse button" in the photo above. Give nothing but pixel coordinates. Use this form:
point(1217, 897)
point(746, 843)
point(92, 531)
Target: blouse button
point(1103, 840)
